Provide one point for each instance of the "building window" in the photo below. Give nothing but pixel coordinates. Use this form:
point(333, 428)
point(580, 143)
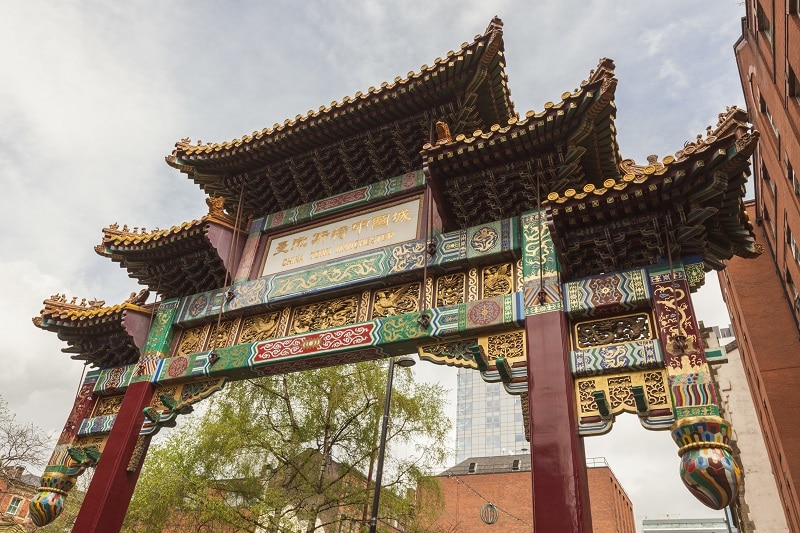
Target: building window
point(792, 245)
point(791, 175)
point(515, 464)
point(763, 21)
point(792, 83)
point(765, 176)
point(793, 7)
point(766, 112)
point(769, 220)
point(472, 467)
point(13, 507)
point(793, 293)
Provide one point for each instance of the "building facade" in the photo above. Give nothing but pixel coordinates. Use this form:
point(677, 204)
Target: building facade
point(764, 294)
point(488, 419)
point(491, 494)
point(17, 488)
point(757, 507)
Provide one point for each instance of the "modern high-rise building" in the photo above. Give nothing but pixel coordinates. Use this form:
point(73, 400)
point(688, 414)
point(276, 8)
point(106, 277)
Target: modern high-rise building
point(763, 294)
point(488, 419)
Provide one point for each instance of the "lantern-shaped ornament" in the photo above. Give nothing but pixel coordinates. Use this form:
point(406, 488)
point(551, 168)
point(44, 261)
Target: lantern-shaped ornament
point(489, 513)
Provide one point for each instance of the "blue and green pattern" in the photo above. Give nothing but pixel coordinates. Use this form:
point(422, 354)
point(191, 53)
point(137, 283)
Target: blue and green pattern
point(98, 425)
point(485, 244)
point(382, 190)
point(635, 355)
point(607, 294)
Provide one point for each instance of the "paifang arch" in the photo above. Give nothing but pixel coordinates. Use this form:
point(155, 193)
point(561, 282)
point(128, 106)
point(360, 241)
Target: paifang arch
point(425, 216)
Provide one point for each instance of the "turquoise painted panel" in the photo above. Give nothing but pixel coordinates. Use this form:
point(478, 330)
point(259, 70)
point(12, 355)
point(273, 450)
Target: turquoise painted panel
point(662, 273)
point(334, 274)
point(376, 192)
point(114, 380)
point(607, 294)
point(451, 248)
point(99, 425)
point(636, 355)
point(476, 316)
point(538, 250)
point(485, 244)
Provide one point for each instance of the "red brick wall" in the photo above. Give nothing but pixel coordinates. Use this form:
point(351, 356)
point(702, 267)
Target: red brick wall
point(612, 511)
point(9, 489)
point(768, 342)
point(760, 292)
point(465, 495)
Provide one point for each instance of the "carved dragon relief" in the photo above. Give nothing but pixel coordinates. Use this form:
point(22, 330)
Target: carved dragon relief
point(395, 300)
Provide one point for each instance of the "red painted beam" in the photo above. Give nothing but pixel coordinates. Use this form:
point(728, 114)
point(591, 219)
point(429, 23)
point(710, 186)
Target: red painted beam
point(558, 459)
point(112, 486)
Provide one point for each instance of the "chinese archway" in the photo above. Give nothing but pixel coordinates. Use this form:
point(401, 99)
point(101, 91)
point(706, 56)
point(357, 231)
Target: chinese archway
point(427, 216)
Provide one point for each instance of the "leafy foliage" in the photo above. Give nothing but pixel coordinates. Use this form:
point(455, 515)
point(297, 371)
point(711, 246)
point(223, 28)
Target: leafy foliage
point(288, 452)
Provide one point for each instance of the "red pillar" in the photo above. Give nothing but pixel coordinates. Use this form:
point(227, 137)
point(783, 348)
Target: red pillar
point(558, 459)
point(112, 487)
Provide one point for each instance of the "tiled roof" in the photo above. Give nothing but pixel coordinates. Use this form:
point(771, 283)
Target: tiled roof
point(687, 205)
point(507, 169)
point(173, 262)
point(358, 141)
point(490, 465)
point(58, 308)
point(102, 336)
point(451, 64)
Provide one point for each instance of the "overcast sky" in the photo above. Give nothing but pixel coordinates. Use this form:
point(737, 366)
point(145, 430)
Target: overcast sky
point(94, 95)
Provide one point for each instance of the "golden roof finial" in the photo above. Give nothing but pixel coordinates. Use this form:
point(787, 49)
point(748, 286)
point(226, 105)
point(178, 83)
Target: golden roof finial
point(443, 135)
point(216, 205)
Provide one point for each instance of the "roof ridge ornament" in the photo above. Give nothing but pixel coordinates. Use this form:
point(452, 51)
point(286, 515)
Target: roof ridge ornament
point(443, 135)
point(496, 24)
point(59, 305)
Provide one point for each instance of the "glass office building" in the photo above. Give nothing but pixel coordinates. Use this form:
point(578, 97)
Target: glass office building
point(488, 419)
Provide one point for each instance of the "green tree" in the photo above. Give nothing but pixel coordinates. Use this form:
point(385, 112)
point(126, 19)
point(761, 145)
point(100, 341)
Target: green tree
point(284, 452)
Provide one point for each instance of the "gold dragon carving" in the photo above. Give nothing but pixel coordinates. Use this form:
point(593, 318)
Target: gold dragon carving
point(324, 315)
point(260, 327)
point(450, 289)
point(497, 280)
point(396, 300)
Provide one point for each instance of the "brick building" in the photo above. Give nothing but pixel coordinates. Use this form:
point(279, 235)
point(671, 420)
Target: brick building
point(763, 294)
point(16, 490)
point(469, 487)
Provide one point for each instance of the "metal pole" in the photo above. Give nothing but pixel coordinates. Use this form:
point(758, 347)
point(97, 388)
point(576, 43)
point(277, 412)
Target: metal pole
point(373, 521)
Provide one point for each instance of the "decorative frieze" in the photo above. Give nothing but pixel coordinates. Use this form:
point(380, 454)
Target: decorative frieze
point(395, 300)
point(600, 398)
point(609, 294)
point(605, 331)
point(638, 355)
point(450, 289)
point(324, 315)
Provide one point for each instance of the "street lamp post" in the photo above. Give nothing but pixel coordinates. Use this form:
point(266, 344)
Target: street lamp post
point(404, 361)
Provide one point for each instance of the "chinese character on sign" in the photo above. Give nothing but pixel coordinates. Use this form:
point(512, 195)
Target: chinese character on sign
point(380, 221)
point(361, 224)
point(283, 247)
point(299, 242)
point(400, 216)
point(319, 237)
point(339, 232)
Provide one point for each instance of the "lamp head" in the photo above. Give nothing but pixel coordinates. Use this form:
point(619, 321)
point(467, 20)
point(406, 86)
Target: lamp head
point(405, 361)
